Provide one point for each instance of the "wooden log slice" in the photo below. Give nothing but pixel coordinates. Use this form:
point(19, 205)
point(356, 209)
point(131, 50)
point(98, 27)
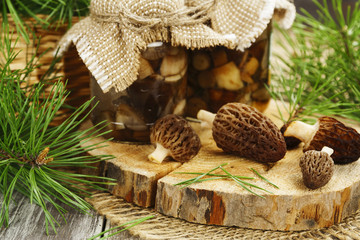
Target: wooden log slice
point(291, 207)
point(136, 176)
point(224, 202)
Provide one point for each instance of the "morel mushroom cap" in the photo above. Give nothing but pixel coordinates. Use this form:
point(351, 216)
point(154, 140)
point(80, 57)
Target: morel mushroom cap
point(174, 137)
point(345, 141)
point(317, 167)
point(243, 130)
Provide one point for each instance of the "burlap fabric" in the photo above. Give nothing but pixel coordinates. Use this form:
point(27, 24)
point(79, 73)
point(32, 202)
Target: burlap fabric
point(162, 227)
point(110, 40)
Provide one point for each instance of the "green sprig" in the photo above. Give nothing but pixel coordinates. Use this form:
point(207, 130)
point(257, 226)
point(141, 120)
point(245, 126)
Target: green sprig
point(33, 153)
point(263, 178)
point(238, 179)
point(196, 179)
point(130, 223)
point(216, 175)
point(243, 183)
point(321, 73)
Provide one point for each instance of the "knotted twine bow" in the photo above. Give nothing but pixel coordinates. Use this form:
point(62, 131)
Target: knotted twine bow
point(180, 17)
point(111, 39)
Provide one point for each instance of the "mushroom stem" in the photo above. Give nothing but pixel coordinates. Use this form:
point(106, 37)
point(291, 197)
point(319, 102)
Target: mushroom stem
point(327, 150)
point(206, 116)
point(159, 154)
point(303, 131)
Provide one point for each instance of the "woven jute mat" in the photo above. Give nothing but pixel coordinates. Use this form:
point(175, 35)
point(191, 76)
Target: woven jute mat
point(119, 212)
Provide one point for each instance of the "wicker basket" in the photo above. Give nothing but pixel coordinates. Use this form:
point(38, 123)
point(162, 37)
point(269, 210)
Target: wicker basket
point(71, 67)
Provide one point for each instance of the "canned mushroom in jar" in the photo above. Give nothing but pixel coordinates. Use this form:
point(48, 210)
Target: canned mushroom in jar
point(218, 75)
point(159, 90)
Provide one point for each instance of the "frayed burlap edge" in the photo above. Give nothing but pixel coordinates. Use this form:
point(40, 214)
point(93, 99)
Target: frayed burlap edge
point(284, 13)
point(163, 227)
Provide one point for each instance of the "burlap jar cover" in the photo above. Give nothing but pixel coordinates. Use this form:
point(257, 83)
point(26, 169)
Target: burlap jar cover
point(111, 39)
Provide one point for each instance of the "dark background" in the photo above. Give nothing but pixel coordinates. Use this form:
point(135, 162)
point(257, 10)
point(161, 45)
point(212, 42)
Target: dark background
point(311, 7)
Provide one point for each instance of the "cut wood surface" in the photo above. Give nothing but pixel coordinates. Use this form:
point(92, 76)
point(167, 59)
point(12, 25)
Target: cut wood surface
point(223, 202)
point(291, 207)
point(136, 176)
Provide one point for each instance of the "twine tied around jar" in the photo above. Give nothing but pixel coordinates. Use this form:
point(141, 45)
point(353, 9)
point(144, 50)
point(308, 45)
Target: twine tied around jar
point(179, 17)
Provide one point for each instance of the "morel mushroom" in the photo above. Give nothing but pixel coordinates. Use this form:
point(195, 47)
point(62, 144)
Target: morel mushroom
point(345, 141)
point(174, 137)
point(317, 167)
point(241, 129)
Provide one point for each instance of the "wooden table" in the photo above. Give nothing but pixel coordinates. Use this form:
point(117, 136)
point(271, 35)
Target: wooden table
point(27, 222)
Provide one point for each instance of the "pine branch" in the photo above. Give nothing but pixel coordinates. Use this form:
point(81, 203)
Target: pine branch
point(33, 153)
point(322, 71)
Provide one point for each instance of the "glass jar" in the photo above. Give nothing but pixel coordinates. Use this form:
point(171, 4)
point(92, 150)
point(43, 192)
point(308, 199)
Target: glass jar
point(159, 90)
point(219, 75)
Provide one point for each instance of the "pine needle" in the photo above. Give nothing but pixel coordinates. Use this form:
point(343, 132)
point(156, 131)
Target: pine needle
point(243, 183)
point(130, 223)
point(191, 181)
point(263, 178)
point(216, 175)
